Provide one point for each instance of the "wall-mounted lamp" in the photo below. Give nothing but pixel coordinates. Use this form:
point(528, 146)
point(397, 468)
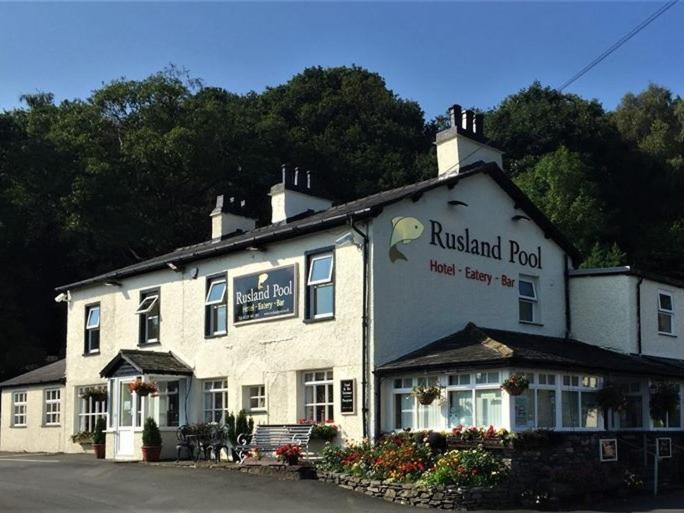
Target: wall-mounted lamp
point(347, 238)
point(175, 268)
point(64, 297)
point(519, 217)
point(112, 283)
point(455, 203)
point(194, 273)
point(254, 248)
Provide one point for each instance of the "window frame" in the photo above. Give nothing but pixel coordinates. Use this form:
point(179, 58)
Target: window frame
point(144, 316)
point(260, 396)
point(532, 300)
point(581, 389)
point(666, 312)
point(48, 411)
point(23, 403)
point(311, 286)
point(211, 393)
point(90, 331)
point(328, 383)
point(163, 385)
point(87, 420)
point(210, 330)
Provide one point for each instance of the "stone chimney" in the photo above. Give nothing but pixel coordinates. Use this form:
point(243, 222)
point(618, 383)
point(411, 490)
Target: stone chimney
point(229, 218)
point(463, 143)
point(294, 196)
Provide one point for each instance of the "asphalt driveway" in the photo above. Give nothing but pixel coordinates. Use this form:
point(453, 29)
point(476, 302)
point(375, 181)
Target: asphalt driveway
point(80, 483)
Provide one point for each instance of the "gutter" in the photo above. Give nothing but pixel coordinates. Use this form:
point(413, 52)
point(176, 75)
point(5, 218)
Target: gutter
point(364, 329)
point(568, 313)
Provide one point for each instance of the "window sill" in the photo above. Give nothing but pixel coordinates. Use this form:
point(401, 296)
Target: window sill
point(319, 319)
point(256, 412)
point(216, 335)
point(663, 334)
point(19, 427)
point(531, 323)
point(92, 353)
point(149, 344)
point(51, 425)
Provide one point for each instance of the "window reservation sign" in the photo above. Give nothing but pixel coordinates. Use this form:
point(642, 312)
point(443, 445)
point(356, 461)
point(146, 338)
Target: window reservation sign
point(265, 295)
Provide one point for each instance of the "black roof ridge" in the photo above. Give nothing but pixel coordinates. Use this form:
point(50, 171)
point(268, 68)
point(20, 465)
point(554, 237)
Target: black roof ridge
point(368, 206)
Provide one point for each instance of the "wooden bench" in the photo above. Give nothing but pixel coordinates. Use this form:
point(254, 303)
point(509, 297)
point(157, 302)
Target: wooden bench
point(268, 437)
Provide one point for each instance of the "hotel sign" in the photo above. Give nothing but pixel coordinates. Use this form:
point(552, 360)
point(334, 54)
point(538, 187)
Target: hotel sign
point(265, 295)
point(347, 396)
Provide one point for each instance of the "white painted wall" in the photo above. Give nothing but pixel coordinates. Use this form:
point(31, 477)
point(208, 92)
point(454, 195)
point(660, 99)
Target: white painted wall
point(35, 437)
point(414, 306)
point(654, 343)
point(455, 151)
point(273, 353)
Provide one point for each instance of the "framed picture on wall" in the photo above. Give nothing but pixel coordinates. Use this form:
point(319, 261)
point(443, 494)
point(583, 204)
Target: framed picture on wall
point(664, 447)
point(608, 449)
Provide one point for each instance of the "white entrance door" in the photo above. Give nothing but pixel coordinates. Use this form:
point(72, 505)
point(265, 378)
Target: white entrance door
point(127, 416)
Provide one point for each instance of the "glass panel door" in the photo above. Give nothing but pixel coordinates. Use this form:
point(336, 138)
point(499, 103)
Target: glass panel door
point(126, 407)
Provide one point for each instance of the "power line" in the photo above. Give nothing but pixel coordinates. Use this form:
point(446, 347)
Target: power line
point(618, 44)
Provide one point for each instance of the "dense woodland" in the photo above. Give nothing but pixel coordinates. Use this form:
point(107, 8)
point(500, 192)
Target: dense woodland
point(133, 170)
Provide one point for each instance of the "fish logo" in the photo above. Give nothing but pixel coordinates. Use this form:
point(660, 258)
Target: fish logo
point(404, 230)
point(261, 279)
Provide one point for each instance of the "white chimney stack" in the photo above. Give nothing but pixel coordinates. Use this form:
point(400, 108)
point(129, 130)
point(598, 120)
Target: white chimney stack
point(293, 196)
point(463, 143)
point(228, 218)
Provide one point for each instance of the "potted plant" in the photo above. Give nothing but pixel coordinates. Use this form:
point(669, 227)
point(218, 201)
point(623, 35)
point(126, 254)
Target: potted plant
point(611, 397)
point(85, 438)
point(99, 438)
point(152, 442)
point(142, 388)
point(325, 431)
point(97, 393)
point(426, 394)
point(516, 384)
point(289, 453)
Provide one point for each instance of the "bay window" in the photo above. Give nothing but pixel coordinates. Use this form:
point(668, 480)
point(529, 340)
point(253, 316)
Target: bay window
point(579, 403)
point(89, 410)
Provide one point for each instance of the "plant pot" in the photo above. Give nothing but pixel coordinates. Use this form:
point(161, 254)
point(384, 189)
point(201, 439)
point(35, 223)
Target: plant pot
point(99, 451)
point(151, 452)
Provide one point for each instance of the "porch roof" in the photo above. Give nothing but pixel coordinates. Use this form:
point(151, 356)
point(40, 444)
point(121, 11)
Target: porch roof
point(475, 346)
point(146, 362)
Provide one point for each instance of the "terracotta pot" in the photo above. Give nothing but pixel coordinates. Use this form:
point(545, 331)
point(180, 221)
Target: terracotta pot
point(99, 451)
point(151, 452)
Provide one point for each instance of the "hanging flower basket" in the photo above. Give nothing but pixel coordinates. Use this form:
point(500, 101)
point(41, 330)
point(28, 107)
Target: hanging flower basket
point(516, 384)
point(142, 388)
point(426, 395)
point(97, 393)
point(664, 398)
point(611, 397)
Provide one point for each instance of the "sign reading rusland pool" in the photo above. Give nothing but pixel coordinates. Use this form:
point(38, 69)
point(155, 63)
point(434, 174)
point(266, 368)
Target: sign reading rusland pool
point(265, 295)
point(347, 399)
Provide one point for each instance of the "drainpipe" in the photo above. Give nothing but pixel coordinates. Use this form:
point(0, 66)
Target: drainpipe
point(364, 328)
point(638, 313)
point(566, 278)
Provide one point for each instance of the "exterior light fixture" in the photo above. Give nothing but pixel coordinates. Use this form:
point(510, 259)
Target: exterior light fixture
point(112, 283)
point(519, 217)
point(175, 268)
point(455, 203)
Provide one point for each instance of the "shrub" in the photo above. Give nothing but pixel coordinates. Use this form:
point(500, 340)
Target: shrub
point(82, 437)
point(471, 467)
point(331, 458)
point(151, 436)
point(99, 436)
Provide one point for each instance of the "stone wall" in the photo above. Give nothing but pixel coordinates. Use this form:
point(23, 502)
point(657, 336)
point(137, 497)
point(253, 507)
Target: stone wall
point(442, 497)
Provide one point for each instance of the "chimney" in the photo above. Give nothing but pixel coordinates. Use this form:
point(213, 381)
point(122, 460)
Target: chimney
point(463, 143)
point(229, 218)
point(294, 195)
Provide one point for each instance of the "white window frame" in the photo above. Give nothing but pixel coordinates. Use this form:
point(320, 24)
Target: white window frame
point(533, 300)
point(164, 392)
point(258, 393)
point(89, 410)
point(52, 407)
point(147, 308)
point(536, 386)
point(615, 422)
point(667, 312)
point(211, 330)
point(92, 328)
point(329, 400)
point(580, 388)
point(19, 408)
point(667, 427)
point(313, 260)
point(217, 386)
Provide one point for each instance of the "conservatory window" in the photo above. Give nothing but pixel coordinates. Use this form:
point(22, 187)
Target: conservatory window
point(579, 403)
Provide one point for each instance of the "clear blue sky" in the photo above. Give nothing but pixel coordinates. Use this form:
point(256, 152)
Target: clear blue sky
point(435, 53)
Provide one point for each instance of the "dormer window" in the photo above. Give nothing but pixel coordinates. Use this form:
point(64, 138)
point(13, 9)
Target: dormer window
point(92, 329)
point(665, 313)
point(320, 286)
point(148, 312)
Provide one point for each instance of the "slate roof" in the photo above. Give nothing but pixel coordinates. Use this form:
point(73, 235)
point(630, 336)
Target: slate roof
point(474, 346)
point(147, 362)
point(54, 372)
point(369, 206)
